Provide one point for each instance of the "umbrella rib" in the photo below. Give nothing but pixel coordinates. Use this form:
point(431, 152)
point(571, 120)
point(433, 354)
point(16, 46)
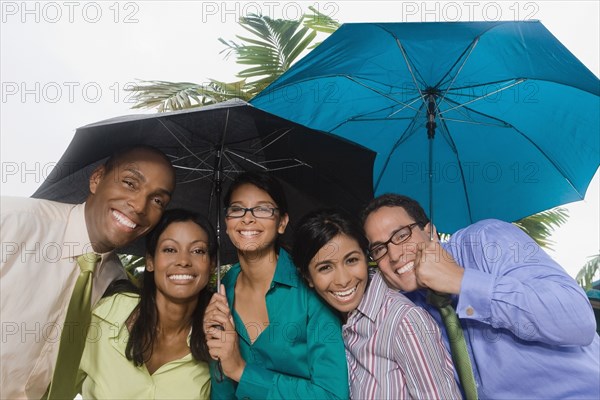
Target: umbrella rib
point(195, 155)
point(366, 119)
point(446, 133)
point(465, 58)
point(410, 70)
point(503, 125)
point(533, 143)
point(190, 152)
point(550, 160)
point(406, 59)
point(460, 105)
point(176, 138)
point(222, 147)
point(514, 80)
point(470, 46)
point(387, 96)
point(410, 129)
point(358, 117)
point(297, 163)
point(462, 110)
point(409, 104)
point(274, 140)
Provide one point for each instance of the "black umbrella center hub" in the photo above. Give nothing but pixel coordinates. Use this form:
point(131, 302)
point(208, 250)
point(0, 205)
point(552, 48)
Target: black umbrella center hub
point(430, 95)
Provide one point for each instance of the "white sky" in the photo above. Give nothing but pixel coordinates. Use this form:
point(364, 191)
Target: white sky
point(63, 64)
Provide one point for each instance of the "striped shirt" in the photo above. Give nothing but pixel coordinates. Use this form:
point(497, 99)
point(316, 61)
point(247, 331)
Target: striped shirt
point(394, 349)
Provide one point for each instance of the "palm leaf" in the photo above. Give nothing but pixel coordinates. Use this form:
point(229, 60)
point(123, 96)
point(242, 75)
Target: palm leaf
point(268, 51)
point(319, 22)
point(166, 96)
point(585, 277)
point(540, 226)
point(275, 45)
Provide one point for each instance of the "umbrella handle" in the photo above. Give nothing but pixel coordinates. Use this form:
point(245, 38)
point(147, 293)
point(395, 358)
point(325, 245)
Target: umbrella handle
point(220, 376)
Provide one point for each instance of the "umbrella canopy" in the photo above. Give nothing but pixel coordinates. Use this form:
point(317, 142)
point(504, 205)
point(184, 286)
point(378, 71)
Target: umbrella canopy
point(476, 119)
point(212, 145)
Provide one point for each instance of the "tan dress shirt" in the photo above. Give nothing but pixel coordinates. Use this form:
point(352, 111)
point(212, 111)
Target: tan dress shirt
point(40, 241)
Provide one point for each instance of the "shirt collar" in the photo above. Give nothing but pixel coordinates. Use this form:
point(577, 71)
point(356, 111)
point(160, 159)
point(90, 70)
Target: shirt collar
point(373, 298)
point(77, 241)
point(285, 272)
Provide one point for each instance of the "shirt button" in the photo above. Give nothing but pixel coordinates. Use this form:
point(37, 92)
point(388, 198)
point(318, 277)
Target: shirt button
point(470, 311)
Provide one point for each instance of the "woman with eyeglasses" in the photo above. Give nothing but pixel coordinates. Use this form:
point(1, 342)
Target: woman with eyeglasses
point(394, 348)
point(270, 335)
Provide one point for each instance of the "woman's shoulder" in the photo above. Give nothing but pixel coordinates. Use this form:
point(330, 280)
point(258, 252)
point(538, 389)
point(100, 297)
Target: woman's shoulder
point(229, 273)
point(116, 308)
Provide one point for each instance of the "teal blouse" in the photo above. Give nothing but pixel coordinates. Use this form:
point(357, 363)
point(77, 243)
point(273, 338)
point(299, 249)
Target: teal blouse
point(300, 355)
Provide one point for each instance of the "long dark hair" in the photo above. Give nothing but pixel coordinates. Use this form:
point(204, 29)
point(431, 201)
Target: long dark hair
point(319, 227)
point(143, 332)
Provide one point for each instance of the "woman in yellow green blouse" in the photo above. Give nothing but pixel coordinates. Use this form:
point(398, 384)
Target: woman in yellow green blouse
point(279, 340)
point(152, 346)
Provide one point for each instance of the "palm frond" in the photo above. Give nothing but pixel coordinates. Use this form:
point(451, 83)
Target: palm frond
point(167, 96)
point(540, 226)
point(320, 22)
point(589, 273)
point(268, 50)
point(271, 49)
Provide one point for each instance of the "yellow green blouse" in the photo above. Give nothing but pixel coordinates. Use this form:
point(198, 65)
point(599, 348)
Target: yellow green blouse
point(105, 372)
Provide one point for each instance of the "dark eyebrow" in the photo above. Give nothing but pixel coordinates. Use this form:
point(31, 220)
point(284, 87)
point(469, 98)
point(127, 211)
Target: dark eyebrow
point(324, 262)
point(142, 178)
point(353, 252)
point(137, 174)
point(344, 257)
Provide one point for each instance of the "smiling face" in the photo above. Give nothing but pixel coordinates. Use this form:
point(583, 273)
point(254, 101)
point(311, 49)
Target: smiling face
point(339, 273)
point(181, 262)
point(251, 234)
point(127, 201)
point(397, 266)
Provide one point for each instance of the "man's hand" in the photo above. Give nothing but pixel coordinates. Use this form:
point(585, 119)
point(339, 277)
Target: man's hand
point(436, 269)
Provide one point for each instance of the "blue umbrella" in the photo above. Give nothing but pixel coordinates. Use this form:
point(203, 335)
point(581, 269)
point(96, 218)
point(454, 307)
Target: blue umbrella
point(476, 119)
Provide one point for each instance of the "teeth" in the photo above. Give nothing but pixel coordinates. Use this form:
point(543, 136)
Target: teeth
point(124, 220)
point(345, 293)
point(181, 277)
point(407, 267)
point(249, 233)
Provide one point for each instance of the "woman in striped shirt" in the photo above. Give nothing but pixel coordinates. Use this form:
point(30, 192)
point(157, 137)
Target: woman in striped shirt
point(393, 348)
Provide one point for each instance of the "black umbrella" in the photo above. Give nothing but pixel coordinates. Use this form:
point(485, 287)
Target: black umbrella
point(209, 146)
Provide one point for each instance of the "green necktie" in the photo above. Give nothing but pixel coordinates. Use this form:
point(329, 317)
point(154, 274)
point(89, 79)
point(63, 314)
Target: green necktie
point(458, 345)
point(72, 339)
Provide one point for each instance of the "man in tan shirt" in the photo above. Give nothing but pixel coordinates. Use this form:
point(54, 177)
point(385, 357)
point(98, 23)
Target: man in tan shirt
point(40, 242)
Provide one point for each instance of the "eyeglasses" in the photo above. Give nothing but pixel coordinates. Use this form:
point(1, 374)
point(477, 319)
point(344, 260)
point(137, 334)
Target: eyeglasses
point(401, 235)
point(257, 212)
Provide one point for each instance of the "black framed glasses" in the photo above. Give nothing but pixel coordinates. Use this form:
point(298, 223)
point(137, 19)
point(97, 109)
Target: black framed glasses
point(399, 236)
point(257, 212)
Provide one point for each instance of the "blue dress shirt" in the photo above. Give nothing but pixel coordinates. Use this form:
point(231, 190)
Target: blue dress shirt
point(529, 327)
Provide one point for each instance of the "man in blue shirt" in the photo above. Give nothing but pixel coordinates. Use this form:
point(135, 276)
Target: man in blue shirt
point(529, 327)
